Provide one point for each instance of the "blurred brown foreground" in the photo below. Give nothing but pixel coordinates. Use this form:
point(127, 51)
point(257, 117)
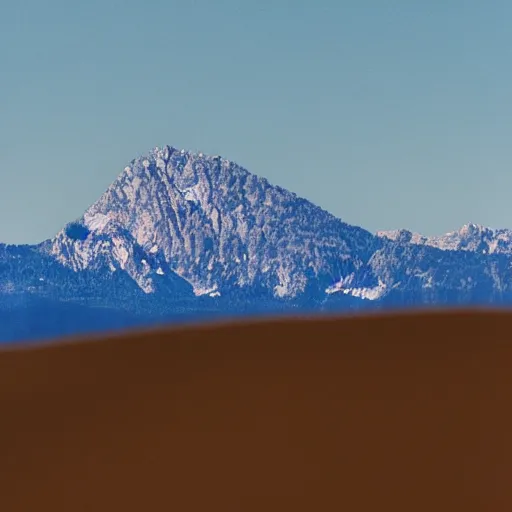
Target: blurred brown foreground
point(400, 413)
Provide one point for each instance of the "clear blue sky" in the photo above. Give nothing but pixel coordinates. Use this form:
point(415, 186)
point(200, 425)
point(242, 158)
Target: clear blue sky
point(386, 113)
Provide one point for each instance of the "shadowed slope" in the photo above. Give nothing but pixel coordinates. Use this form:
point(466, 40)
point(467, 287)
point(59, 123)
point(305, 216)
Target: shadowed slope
point(403, 413)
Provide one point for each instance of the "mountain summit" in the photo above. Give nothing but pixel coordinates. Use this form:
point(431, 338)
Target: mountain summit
point(217, 226)
point(181, 236)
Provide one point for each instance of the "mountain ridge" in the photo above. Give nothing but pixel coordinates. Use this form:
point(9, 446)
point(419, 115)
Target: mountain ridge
point(165, 201)
point(470, 236)
point(179, 234)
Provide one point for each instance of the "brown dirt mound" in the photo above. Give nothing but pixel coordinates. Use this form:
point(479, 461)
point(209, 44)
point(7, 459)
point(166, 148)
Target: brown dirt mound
point(401, 413)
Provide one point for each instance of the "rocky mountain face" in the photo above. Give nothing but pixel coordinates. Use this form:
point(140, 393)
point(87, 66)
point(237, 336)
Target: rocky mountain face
point(215, 225)
point(182, 236)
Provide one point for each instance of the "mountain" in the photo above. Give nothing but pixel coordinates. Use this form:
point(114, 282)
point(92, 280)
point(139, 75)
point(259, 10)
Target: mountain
point(471, 237)
point(215, 225)
point(181, 236)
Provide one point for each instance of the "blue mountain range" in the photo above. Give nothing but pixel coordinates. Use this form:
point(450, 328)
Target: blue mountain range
point(186, 237)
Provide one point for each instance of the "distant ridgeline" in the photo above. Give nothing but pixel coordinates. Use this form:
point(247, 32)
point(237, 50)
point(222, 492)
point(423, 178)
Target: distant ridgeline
point(183, 237)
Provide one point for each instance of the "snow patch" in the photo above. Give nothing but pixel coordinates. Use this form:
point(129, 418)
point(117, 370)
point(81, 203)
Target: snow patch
point(96, 222)
point(192, 194)
point(198, 291)
point(367, 293)
point(343, 286)
point(340, 285)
